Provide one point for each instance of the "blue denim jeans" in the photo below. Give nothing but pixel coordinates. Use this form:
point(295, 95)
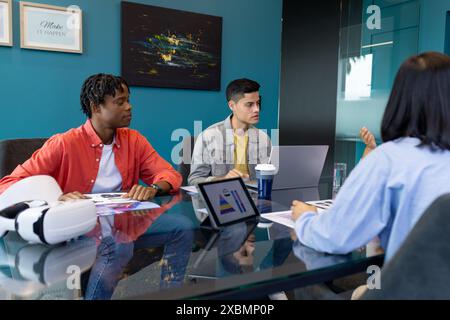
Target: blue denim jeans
point(173, 231)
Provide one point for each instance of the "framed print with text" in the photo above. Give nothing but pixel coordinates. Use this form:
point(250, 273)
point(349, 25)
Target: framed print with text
point(6, 23)
point(51, 28)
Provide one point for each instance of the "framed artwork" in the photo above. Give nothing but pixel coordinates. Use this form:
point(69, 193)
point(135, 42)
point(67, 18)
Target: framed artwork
point(6, 23)
point(169, 48)
point(51, 28)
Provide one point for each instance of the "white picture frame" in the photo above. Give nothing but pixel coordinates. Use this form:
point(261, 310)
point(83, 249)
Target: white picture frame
point(6, 34)
point(51, 28)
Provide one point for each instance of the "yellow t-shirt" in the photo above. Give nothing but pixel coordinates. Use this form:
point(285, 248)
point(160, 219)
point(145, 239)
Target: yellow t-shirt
point(240, 152)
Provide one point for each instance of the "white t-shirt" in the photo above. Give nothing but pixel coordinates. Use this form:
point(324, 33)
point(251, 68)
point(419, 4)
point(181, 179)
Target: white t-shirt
point(108, 177)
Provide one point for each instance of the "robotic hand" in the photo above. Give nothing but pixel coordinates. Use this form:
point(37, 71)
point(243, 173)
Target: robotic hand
point(43, 219)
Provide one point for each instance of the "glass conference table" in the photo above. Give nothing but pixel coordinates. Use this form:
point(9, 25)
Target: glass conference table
point(164, 253)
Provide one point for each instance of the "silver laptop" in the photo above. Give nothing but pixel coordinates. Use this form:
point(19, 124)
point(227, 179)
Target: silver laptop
point(298, 166)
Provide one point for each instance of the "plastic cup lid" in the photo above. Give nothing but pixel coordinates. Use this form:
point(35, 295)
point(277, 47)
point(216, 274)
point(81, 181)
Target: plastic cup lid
point(266, 167)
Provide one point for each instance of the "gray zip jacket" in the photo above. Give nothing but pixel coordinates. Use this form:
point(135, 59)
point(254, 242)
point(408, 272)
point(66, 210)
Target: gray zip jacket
point(213, 154)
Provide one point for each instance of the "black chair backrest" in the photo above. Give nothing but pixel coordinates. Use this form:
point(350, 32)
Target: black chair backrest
point(421, 267)
point(184, 168)
point(17, 151)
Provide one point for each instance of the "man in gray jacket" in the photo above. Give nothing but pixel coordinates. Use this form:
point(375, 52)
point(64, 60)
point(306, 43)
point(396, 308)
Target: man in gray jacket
point(233, 147)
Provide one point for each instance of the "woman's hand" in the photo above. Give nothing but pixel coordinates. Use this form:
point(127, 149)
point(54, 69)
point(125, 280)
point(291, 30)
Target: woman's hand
point(299, 208)
point(369, 140)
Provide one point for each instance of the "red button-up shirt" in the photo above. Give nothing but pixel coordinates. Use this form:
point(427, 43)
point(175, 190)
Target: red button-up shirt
point(73, 159)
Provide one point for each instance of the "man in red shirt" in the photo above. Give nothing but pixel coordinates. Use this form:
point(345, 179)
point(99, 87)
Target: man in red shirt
point(103, 155)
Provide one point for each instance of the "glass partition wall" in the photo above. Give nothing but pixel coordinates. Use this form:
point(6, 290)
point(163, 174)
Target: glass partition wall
point(376, 37)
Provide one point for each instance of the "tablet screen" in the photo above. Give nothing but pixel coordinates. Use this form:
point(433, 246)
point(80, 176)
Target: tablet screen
point(228, 201)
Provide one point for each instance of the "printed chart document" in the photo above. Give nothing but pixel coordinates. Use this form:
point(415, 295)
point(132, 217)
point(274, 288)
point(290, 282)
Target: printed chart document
point(109, 198)
point(281, 217)
point(285, 217)
point(113, 203)
point(322, 205)
point(190, 189)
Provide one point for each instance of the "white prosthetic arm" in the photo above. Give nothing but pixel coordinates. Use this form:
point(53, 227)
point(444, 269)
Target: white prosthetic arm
point(44, 188)
point(56, 223)
point(30, 208)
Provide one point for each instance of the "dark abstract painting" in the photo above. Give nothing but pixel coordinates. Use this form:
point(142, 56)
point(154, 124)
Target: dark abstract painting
point(170, 48)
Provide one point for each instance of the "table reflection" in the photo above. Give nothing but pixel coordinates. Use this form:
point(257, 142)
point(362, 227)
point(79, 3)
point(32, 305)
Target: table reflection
point(123, 236)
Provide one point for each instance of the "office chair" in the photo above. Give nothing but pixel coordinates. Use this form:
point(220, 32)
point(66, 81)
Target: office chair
point(17, 151)
point(421, 267)
point(184, 168)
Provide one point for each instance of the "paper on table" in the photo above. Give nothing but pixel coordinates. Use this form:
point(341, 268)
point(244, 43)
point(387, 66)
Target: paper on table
point(322, 205)
point(191, 189)
point(281, 217)
point(113, 203)
point(285, 217)
point(117, 208)
point(109, 198)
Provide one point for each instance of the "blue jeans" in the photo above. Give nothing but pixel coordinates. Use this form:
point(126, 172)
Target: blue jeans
point(173, 231)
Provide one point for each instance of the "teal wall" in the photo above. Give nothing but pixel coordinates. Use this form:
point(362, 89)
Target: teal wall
point(433, 24)
point(40, 90)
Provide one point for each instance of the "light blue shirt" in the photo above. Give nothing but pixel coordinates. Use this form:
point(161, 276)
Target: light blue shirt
point(384, 196)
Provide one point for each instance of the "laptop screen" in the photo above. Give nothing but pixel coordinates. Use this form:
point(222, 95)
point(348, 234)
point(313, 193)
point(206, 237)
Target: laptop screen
point(298, 166)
